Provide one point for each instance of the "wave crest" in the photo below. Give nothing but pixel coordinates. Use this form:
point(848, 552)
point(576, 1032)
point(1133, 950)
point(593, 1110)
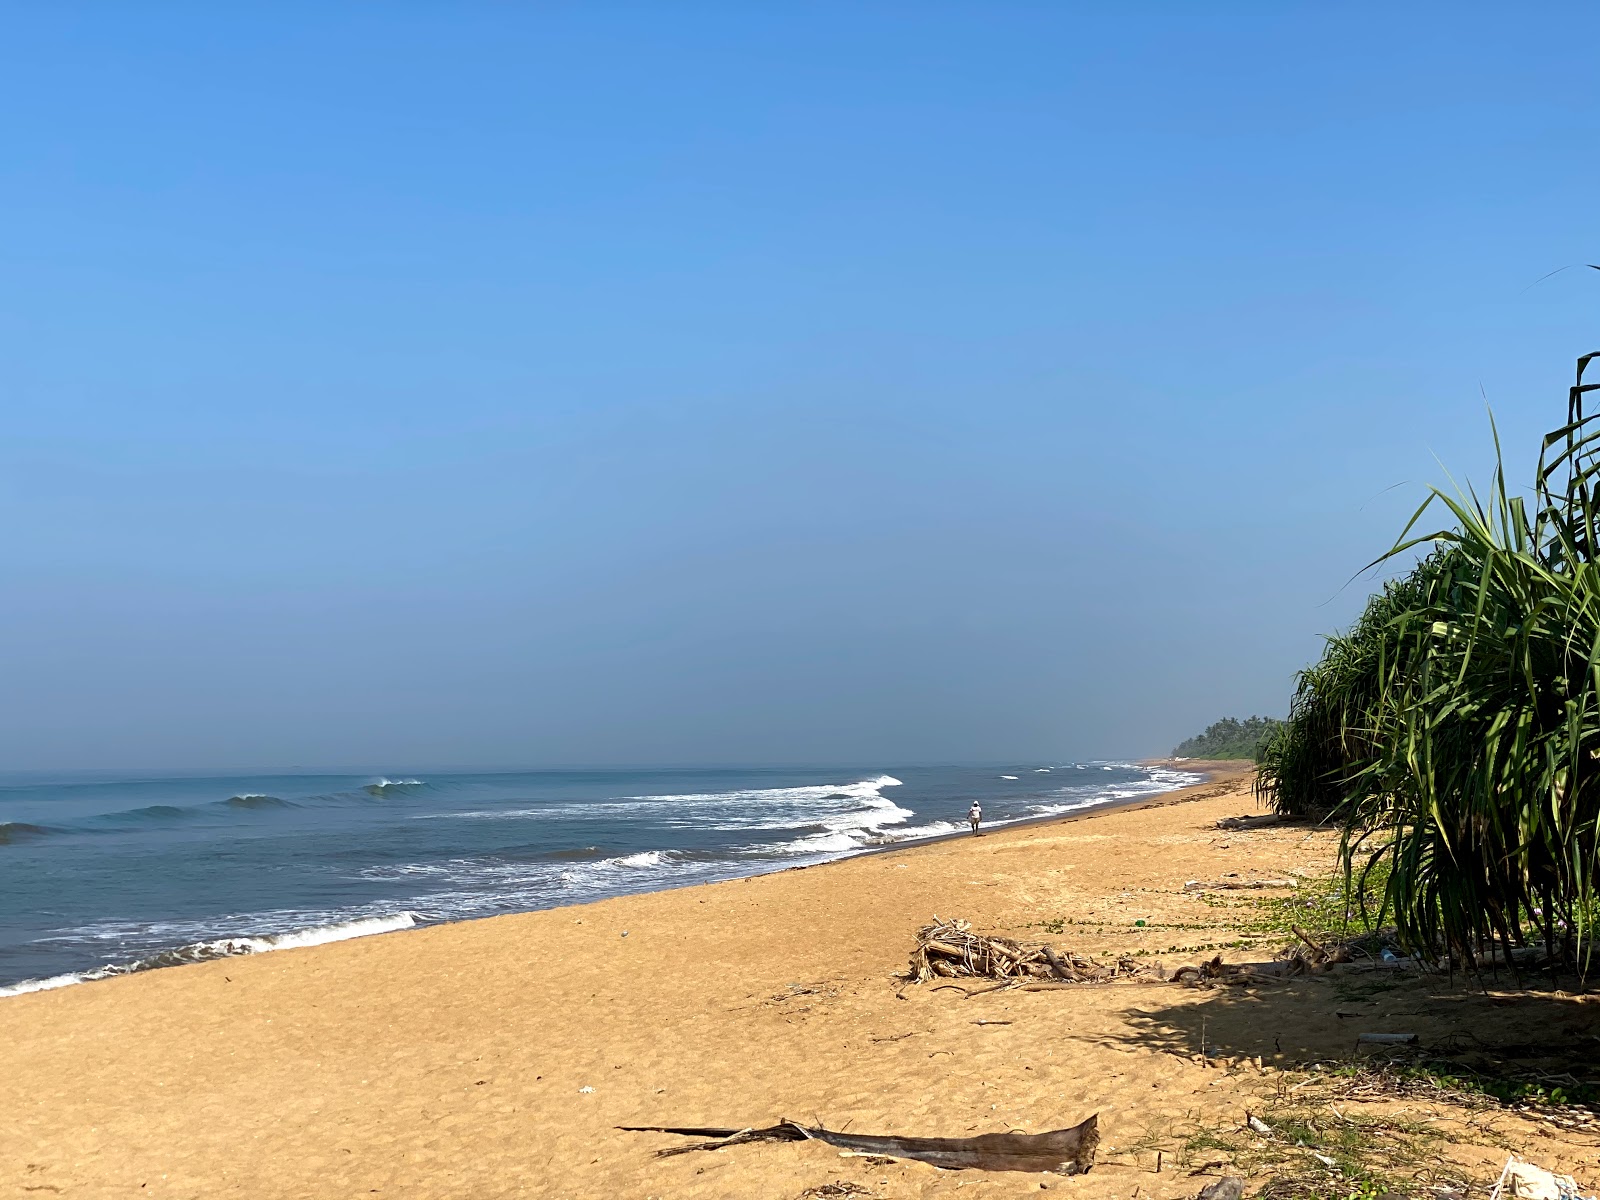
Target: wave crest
point(256, 800)
point(196, 952)
point(21, 831)
point(383, 787)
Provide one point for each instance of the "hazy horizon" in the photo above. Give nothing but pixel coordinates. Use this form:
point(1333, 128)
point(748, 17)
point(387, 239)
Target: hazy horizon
point(701, 386)
point(112, 774)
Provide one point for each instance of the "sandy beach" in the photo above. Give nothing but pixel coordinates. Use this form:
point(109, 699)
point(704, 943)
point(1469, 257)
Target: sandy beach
point(497, 1057)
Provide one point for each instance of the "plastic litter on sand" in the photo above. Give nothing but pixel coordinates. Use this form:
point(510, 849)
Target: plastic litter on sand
point(1521, 1180)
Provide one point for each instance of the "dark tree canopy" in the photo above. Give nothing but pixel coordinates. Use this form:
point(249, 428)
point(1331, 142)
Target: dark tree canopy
point(1230, 738)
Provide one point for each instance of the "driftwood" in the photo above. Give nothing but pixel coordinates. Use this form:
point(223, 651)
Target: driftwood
point(1310, 959)
point(1314, 956)
point(950, 950)
point(1214, 972)
point(1254, 821)
point(1062, 1151)
point(1386, 1039)
point(1237, 885)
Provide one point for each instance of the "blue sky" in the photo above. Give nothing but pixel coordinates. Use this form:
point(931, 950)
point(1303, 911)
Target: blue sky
point(493, 385)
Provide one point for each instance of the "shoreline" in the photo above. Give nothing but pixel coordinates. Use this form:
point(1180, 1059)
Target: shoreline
point(407, 920)
point(1216, 772)
point(498, 1057)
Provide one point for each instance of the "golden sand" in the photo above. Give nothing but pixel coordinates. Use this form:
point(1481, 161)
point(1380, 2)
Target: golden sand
point(496, 1057)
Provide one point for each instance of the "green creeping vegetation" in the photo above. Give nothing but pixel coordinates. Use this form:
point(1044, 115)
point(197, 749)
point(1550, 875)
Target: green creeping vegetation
point(1454, 731)
point(1464, 1085)
point(1230, 738)
point(1323, 1140)
point(1333, 909)
point(1310, 1147)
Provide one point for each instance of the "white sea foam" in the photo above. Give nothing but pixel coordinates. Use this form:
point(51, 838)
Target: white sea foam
point(1008, 777)
point(838, 816)
point(323, 934)
point(1074, 798)
point(461, 888)
point(1155, 782)
point(194, 952)
point(47, 985)
point(645, 858)
point(782, 827)
point(843, 837)
point(752, 808)
point(828, 819)
point(932, 829)
point(862, 789)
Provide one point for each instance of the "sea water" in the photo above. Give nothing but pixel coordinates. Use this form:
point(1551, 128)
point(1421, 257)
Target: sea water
point(100, 875)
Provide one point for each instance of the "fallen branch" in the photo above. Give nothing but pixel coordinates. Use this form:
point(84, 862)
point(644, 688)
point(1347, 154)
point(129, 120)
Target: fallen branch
point(1062, 1151)
point(1255, 821)
point(1386, 1039)
point(1315, 957)
point(1214, 971)
point(1237, 885)
point(1316, 947)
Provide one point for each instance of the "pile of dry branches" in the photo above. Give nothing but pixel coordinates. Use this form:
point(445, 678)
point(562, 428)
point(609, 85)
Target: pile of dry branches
point(950, 949)
point(1312, 957)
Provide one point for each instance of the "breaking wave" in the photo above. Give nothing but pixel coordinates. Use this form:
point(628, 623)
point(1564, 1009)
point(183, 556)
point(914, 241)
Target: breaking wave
point(344, 865)
point(196, 952)
point(151, 816)
point(1157, 780)
point(21, 831)
point(463, 888)
point(256, 800)
point(384, 787)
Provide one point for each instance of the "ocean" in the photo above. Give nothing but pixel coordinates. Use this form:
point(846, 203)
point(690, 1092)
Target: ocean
point(101, 875)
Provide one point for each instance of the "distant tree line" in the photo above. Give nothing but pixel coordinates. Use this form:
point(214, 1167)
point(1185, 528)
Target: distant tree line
point(1230, 738)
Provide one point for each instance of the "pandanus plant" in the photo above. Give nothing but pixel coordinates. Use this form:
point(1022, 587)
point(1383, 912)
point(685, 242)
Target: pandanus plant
point(1454, 731)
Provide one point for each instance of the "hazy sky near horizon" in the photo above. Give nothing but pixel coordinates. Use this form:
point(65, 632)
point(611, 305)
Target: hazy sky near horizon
point(517, 385)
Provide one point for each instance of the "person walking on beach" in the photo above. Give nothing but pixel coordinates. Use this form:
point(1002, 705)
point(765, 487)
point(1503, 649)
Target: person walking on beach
point(974, 815)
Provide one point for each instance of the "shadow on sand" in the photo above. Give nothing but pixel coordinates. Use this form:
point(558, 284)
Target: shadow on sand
point(1485, 1025)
